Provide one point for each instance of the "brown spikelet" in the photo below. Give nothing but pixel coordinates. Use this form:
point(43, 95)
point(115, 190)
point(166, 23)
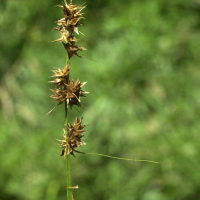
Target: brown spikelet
point(72, 49)
point(61, 76)
point(74, 138)
point(68, 25)
point(71, 93)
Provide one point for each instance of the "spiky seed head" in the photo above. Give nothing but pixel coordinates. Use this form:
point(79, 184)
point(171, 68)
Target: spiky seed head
point(74, 137)
point(72, 49)
point(70, 94)
point(68, 25)
point(61, 76)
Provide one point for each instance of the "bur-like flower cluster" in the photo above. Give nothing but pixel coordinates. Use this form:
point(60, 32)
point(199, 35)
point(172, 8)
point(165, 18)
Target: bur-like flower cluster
point(61, 76)
point(71, 93)
point(66, 89)
point(68, 25)
point(74, 137)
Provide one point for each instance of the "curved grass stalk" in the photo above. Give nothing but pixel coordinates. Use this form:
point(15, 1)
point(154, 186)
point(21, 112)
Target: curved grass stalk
point(129, 159)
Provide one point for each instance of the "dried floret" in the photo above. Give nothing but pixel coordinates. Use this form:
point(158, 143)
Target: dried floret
point(61, 76)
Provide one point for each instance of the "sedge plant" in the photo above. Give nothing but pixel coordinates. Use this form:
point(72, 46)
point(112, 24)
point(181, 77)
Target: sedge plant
point(69, 92)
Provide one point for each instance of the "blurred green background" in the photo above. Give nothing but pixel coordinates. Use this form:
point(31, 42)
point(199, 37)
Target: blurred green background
point(144, 101)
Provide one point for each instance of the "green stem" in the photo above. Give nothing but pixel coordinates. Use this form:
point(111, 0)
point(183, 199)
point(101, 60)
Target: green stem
point(69, 192)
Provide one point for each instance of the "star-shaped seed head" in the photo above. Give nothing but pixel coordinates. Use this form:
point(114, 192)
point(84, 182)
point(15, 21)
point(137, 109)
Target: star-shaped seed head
point(61, 76)
point(74, 138)
point(70, 94)
point(68, 25)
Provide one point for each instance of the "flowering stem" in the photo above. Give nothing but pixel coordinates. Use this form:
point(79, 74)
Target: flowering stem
point(69, 91)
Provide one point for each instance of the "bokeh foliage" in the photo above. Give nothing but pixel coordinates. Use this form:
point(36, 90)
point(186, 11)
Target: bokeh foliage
point(144, 100)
